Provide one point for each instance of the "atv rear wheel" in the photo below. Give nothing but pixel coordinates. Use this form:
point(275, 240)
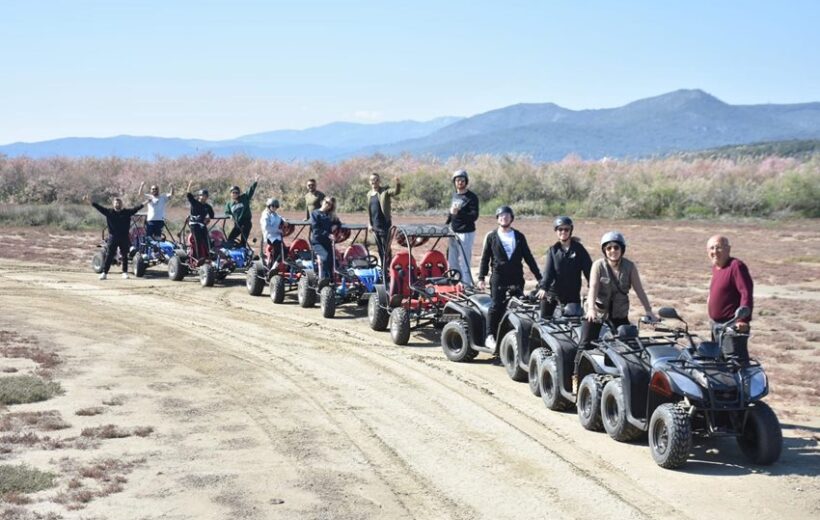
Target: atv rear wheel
point(97, 261)
point(277, 288)
point(140, 265)
point(511, 356)
point(670, 435)
point(549, 383)
point(305, 293)
point(377, 316)
point(253, 281)
point(176, 269)
point(400, 326)
point(327, 301)
point(762, 440)
point(614, 413)
point(536, 360)
point(589, 402)
point(455, 342)
point(207, 275)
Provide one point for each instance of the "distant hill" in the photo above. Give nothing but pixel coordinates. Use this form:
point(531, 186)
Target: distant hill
point(677, 122)
point(792, 148)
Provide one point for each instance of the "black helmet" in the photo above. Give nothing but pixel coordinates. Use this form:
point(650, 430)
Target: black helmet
point(202, 192)
point(235, 189)
point(613, 236)
point(562, 221)
point(461, 173)
point(504, 209)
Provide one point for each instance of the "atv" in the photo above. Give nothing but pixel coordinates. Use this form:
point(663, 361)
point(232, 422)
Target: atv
point(554, 345)
point(416, 292)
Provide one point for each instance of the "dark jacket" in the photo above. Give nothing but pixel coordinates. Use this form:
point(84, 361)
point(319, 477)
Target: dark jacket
point(507, 271)
point(563, 270)
point(464, 220)
point(118, 222)
point(240, 209)
point(321, 225)
point(199, 210)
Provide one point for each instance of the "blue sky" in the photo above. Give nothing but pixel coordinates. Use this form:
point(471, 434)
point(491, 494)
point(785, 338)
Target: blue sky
point(218, 70)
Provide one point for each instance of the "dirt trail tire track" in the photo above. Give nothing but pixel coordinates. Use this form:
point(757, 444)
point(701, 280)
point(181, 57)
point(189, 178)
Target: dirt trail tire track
point(434, 439)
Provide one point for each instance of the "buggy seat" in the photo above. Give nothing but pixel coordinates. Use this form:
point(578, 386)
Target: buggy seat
point(355, 256)
point(433, 264)
point(403, 271)
point(299, 249)
point(218, 238)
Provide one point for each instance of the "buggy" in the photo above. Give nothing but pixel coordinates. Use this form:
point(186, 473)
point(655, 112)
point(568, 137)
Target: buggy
point(415, 293)
point(136, 233)
point(153, 250)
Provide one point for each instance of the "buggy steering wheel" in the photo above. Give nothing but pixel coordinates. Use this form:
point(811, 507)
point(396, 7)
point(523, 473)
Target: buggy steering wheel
point(372, 260)
point(454, 275)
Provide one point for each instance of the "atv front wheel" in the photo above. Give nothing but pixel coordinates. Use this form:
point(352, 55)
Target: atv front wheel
point(377, 316)
point(511, 356)
point(670, 435)
point(327, 301)
point(277, 288)
point(207, 275)
point(176, 269)
point(97, 262)
point(550, 382)
point(400, 326)
point(455, 342)
point(253, 281)
point(536, 360)
point(589, 401)
point(614, 413)
point(762, 440)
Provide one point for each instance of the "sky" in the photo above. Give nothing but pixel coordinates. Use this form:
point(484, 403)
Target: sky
point(221, 69)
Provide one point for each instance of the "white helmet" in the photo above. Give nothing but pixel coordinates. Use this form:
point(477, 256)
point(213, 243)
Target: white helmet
point(460, 173)
point(271, 202)
point(613, 236)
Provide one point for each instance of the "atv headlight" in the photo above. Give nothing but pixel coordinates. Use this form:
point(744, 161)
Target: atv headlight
point(686, 385)
point(758, 384)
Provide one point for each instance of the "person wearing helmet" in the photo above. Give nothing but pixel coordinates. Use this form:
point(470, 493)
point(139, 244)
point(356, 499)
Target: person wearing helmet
point(201, 214)
point(271, 223)
point(505, 248)
point(118, 221)
point(378, 208)
point(156, 202)
point(239, 207)
point(323, 222)
point(566, 261)
point(610, 280)
point(313, 198)
point(462, 217)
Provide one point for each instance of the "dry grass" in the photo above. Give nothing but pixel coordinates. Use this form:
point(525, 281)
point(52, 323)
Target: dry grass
point(111, 431)
point(26, 389)
point(93, 410)
point(50, 420)
point(117, 400)
point(24, 479)
point(98, 479)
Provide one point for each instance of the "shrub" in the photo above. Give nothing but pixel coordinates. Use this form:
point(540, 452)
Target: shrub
point(23, 479)
point(26, 389)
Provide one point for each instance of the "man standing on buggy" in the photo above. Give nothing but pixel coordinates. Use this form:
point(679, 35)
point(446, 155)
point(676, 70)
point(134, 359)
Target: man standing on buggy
point(201, 213)
point(239, 207)
point(156, 202)
point(118, 220)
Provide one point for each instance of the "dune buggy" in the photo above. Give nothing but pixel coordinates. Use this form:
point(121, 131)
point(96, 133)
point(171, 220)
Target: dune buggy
point(135, 233)
point(153, 250)
point(214, 260)
point(263, 270)
point(416, 292)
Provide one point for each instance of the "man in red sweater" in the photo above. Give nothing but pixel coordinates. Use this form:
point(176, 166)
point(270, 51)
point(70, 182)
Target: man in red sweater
point(731, 287)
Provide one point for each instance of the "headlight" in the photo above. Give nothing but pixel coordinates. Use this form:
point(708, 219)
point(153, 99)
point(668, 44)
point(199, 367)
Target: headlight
point(686, 385)
point(758, 384)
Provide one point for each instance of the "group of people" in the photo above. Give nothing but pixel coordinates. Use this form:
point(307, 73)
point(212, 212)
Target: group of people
point(505, 249)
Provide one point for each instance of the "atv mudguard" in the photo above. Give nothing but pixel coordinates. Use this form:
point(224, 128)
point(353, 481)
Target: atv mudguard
point(563, 348)
point(476, 328)
point(522, 324)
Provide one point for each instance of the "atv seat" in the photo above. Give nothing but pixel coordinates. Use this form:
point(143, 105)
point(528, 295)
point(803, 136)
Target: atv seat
point(403, 272)
point(572, 310)
point(483, 302)
point(627, 332)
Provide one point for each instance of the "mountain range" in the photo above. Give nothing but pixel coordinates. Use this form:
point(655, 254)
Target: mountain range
point(684, 120)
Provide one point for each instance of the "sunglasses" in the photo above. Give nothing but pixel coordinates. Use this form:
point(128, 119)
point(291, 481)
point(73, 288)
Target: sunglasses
point(563, 230)
point(612, 247)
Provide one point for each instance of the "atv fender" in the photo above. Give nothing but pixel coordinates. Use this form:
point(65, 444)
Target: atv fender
point(635, 378)
point(522, 325)
point(564, 350)
point(476, 328)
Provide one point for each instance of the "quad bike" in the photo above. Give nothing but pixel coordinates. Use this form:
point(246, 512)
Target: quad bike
point(153, 250)
point(212, 261)
point(417, 292)
point(135, 233)
point(702, 391)
point(554, 345)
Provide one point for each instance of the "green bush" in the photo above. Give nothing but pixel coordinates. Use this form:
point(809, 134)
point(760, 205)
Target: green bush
point(26, 389)
point(23, 479)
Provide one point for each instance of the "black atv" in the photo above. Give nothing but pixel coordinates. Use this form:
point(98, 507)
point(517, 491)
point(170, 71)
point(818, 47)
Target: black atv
point(705, 392)
point(554, 343)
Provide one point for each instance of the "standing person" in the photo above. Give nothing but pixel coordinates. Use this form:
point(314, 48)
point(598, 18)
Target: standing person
point(313, 198)
point(239, 207)
point(156, 202)
point(610, 280)
point(271, 223)
point(731, 287)
point(201, 214)
point(118, 220)
point(323, 223)
point(378, 208)
point(566, 261)
point(505, 248)
point(462, 217)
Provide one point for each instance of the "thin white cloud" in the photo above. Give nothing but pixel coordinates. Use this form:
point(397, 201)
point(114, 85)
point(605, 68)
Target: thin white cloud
point(368, 115)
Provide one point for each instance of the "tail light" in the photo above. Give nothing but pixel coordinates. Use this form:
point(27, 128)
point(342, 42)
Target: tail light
point(660, 384)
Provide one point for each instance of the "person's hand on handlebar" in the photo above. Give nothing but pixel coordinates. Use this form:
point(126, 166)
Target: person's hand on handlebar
point(541, 294)
point(481, 285)
point(742, 327)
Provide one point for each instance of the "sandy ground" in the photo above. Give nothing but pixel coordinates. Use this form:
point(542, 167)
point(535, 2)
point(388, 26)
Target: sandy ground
point(269, 411)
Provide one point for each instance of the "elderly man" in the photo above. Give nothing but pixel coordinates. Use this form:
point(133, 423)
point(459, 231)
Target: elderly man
point(731, 287)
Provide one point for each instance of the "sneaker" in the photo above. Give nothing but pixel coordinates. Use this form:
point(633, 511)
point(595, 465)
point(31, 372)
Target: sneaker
point(125, 276)
point(490, 341)
point(103, 276)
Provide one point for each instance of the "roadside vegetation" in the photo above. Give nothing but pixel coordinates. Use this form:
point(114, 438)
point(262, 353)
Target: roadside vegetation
point(50, 191)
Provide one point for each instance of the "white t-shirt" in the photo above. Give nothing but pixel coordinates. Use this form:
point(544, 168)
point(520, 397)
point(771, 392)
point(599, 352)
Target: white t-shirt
point(508, 241)
point(270, 225)
point(156, 206)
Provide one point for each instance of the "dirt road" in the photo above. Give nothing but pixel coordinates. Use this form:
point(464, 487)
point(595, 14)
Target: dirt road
point(269, 411)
